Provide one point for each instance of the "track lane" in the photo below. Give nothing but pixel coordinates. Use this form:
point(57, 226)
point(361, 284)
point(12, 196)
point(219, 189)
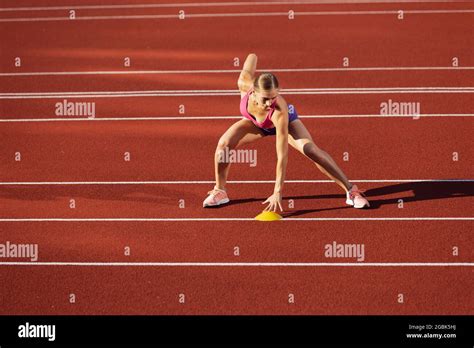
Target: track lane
point(79, 45)
point(22, 85)
point(214, 242)
point(318, 200)
point(237, 291)
point(324, 104)
point(78, 151)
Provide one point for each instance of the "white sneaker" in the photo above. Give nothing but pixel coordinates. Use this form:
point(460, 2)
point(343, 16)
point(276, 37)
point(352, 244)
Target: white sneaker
point(216, 197)
point(355, 198)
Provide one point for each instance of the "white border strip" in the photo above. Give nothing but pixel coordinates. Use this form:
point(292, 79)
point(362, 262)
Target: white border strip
point(187, 118)
point(242, 264)
point(216, 71)
point(198, 182)
point(229, 219)
point(227, 15)
point(211, 4)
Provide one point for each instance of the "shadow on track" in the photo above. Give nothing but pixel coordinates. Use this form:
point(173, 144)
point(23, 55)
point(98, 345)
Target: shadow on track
point(409, 192)
point(419, 191)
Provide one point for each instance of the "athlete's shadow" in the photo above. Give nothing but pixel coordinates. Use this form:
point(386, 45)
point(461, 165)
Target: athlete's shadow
point(419, 191)
point(152, 194)
point(261, 199)
point(408, 192)
point(294, 212)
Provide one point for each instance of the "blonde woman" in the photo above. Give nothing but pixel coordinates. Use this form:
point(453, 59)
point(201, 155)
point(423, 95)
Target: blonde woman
point(266, 113)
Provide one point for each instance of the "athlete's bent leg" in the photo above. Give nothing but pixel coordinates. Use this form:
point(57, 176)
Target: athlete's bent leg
point(241, 132)
point(302, 141)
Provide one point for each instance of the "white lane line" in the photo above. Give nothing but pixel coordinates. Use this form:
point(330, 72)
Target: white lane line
point(326, 13)
point(86, 18)
point(217, 71)
point(227, 15)
point(209, 93)
point(75, 96)
point(236, 92)
point(199, 182)
point(370, 88)
point(210, 4)
point(230, 219)
point(184, 118)
point(242, 264)
point(164, 118)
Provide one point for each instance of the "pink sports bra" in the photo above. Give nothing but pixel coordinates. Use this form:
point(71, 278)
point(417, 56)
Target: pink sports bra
point(267, 122)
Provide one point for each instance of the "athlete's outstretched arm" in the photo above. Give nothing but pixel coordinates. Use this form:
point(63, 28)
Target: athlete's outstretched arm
point(248, 72)
point(280, 119)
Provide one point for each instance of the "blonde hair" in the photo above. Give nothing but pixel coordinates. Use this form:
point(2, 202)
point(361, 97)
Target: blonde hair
point(265, 82)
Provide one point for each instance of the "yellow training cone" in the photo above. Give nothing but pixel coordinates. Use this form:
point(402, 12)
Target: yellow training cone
point(268, 216)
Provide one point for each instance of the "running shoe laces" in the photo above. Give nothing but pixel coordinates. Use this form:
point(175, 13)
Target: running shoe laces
point(355, 191)
point(215, 191)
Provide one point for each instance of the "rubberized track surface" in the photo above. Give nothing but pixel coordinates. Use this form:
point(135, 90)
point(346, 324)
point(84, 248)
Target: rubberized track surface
point(417, 171)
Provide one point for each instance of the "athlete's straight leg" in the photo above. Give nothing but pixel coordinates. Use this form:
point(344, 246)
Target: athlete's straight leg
point(302, 141)
point(240, 133)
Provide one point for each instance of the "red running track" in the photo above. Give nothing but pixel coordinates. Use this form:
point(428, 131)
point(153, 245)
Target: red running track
point(417, 237)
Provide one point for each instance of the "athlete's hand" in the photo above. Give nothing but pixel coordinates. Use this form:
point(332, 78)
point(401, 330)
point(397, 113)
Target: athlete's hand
point(273, 201)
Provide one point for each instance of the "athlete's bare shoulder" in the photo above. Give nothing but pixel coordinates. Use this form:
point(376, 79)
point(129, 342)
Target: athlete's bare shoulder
point(281, 110)
point(281, 105)
point(244, 87)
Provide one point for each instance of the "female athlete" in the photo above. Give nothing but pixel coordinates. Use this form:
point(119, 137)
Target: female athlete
point(265, 112)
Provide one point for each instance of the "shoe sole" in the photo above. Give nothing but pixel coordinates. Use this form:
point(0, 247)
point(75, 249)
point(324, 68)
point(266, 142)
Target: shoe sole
point(224, 201)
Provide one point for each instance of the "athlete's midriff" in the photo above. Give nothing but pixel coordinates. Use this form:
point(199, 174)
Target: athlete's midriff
point(267, 122)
